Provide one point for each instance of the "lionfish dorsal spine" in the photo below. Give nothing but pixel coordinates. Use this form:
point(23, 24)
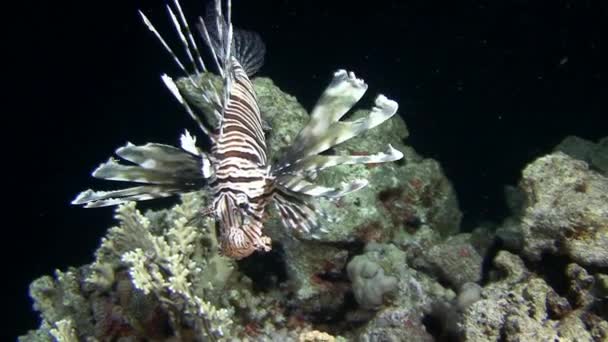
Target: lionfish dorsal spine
point(170, 84)
point(166, 46)
point(182, 26)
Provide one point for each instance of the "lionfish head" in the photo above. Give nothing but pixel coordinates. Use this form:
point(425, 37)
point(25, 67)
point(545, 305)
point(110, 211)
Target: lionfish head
point(240, 233)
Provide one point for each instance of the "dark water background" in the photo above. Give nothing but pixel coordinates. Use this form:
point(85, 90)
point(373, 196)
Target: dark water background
point(484, 87)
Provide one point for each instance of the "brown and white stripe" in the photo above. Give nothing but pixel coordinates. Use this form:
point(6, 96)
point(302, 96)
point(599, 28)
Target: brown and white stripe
point(241, 184)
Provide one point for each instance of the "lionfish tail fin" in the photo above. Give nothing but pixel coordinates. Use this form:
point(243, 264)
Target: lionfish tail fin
point(164, 170)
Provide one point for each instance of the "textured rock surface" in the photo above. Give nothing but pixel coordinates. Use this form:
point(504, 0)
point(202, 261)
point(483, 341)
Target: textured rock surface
point(576, 147)
point(567, 210)
point(522, 307)
point(398, 325)
point(599, 158)
point(594, 154)
point(455, 261)
point(400, 318)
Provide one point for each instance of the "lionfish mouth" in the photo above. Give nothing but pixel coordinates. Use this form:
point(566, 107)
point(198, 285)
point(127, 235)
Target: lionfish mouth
point(235, 244)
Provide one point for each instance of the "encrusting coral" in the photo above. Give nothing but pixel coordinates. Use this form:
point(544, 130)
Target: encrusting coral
point(369, 282)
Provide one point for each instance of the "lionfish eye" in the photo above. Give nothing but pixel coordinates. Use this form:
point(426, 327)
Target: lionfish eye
point(242, 201)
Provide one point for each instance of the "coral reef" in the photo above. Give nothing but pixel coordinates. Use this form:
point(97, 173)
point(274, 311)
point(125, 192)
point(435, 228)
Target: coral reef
point(158, 276)
point(62, 304)
point(390, 263)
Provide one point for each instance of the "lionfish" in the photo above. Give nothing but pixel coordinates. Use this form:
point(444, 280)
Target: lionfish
point(236, 171)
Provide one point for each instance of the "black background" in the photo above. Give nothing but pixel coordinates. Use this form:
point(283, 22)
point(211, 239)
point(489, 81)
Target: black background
point(484, 87)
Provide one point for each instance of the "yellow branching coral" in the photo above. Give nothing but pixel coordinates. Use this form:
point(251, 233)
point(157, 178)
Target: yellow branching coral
point(171, 265)
point(64, 331)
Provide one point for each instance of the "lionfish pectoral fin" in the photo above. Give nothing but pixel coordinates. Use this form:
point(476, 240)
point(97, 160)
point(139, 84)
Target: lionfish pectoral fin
point(159, 163)
point(95, 199)
point(325, 130)
point(315, 163)
point(293, 201)
point(266, 126)
point(188, 144)
point(166, 170)
point(342, 93)
point(299, 185)
point(296, 212)
point(204, 212)
point(342, 131)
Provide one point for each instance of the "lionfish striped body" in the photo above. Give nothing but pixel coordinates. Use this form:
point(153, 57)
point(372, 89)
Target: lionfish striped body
point(241, 184)
point(236, 172)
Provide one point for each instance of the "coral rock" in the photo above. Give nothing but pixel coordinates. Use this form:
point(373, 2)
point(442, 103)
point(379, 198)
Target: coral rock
point(567, 210)
point(455, 261)
point(523, 307)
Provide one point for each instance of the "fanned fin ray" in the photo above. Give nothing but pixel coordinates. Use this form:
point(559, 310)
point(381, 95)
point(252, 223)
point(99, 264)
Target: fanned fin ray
point(246, 46)
point(342, 131)
point(299, 185)
point(343, 92)
point(168, 169)
point(296, 212)
point(249, 50)
point(96, 199)
point(295, 170)
point(317, 163)
point(325, 130)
